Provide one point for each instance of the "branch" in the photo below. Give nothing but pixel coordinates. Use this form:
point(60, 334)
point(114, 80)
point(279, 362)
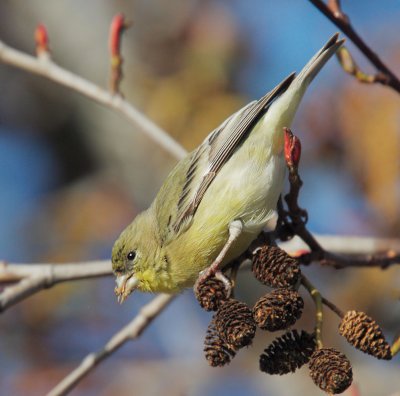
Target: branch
point(45, 67)
point(316, 296)
point(382, 260)
point(130, 332)
point(334, 5)
point(350, 244)
point(32, 278)
point(350, 66)
point(333, 307)
point(395, 346)
point(292, 222)
point(334, 13)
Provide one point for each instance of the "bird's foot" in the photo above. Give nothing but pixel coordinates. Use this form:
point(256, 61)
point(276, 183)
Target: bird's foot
point(227, 283)
point(212, 272)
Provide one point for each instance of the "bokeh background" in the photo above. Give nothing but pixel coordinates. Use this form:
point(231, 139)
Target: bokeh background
point(74, 174)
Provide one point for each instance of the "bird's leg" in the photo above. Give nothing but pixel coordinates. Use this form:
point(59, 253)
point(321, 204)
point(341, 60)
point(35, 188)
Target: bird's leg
point(235, 229)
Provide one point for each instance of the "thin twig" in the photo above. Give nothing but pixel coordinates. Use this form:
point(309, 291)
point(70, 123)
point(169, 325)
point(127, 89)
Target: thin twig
point(335, 14)
point(50, 70)
point(316, 296)
point(333, 307)
point(36, 277)
point(118, 26)
point(350, 66)
point(395, 349)
point(299, 216)
point(294, 220)
point(130, 332)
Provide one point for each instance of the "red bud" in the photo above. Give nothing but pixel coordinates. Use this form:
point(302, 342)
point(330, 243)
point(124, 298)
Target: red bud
point(118, 25)
point(41, 39)
point(292, 148)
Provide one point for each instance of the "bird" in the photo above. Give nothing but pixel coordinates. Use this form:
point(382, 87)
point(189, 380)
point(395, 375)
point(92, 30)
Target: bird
point(217, 199)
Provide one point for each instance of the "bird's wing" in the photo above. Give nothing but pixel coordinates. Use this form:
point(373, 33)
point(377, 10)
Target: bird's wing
point(197, 171)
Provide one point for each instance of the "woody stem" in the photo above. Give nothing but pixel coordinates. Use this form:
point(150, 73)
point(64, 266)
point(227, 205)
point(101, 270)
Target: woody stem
point(316, 296)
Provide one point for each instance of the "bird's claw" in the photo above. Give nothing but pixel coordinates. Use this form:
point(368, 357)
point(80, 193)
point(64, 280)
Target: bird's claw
point(210, 272)
point(227, 283)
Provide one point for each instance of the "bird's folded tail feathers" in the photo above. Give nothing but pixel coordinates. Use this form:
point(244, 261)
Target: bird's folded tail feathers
point(316, 63)
point(269, 97)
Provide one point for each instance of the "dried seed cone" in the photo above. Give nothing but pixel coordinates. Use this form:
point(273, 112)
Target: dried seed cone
point(273, 267)
point(234, 323)
point(278, 309)
point(287, 353)
point(210, 293)
point(331, 370)
point(217, 352)
point(363, 332)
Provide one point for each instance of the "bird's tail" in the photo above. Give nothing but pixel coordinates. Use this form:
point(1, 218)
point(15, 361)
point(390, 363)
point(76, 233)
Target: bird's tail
point(283, 110)
point(311, 69)
point(286, 105)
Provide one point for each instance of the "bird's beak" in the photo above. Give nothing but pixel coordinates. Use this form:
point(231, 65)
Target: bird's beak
point(126, 284)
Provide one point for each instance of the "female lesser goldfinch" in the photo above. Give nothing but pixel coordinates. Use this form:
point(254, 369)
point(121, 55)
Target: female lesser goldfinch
point(218, 198)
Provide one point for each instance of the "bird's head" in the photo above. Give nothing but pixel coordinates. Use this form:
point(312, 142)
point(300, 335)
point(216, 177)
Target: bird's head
point(134, 257)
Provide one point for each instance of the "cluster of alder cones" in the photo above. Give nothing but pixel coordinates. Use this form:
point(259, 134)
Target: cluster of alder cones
point(233, 326)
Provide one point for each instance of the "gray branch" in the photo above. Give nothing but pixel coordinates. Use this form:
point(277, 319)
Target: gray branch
point(45, 67)
point(130, 332)
point(32, 278)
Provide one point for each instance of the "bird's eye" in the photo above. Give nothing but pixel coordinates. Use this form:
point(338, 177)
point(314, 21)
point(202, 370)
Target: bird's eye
point(131, 256)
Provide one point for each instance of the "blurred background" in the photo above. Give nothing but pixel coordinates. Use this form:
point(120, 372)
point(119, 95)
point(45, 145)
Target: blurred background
point(74, 174)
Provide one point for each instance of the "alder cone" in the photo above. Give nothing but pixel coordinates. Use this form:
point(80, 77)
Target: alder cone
point(361, 331)
point(210, 293)
point(235, 324)
point(273, 267)
point(278, 309)
point(287, 353)
point(330, 370)
point(217, 352)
